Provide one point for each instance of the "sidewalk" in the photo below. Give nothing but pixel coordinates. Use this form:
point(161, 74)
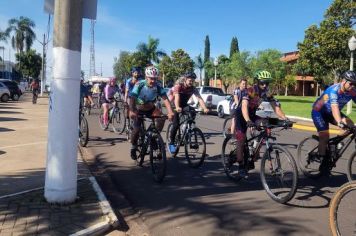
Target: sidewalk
point(23, 209)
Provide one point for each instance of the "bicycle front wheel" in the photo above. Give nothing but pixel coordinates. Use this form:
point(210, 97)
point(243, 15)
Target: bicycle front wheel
point(229, 158)
point(342, 218)
point(351, 167)
point(158, 157)
point(83, 131)
point(227, 127)
point(118, 121)
point(102, 124)
point(308, 158)
point(195, 147)
point(279, 174)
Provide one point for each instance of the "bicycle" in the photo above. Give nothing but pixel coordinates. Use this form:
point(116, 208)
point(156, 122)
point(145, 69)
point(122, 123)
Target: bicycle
point(83, 128)
point(116, 117)
point(34, 96)
point(226, 130)
point(189, 136)
point(310, 162)
point(279, 183)
point(342, 223)
point(150, 142)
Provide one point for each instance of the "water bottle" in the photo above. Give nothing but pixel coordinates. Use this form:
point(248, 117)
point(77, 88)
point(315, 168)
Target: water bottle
point(111, 112)
point(340, 146)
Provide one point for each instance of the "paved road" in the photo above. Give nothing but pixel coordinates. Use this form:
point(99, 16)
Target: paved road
point(203, 201)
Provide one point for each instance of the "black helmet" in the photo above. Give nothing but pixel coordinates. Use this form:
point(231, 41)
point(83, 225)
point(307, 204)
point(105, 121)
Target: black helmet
point(349, 76)
point(191, 75)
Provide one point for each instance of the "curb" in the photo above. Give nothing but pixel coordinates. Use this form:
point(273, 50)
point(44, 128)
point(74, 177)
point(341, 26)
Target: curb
point(309, 128)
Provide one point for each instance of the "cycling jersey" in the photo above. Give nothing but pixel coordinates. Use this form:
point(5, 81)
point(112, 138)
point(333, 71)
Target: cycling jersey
point(129, 84)
point(238, 93)
point(109, 92)
point(145, 94)
point(184, 93)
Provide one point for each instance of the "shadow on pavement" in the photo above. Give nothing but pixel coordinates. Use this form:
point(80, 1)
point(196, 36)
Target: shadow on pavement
point(2, 129)
point(11, 119)
point(10, 112)
point(103, 142)
point(2, 152)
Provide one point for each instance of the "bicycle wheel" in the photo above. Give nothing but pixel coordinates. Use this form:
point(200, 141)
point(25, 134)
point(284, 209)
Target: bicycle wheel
point(118, 121)
point(158, 157)
point(229, 159)
point(227, 127)
point(308, 158)
point(102, 124)
point(168, 138)
point(279, 174)
point(128, 129)
point(342, 218)
point(195, 147)
point(83, 131)
point(351, 167)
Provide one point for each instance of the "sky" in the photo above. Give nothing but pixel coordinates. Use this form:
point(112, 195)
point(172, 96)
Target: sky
point(122, 24)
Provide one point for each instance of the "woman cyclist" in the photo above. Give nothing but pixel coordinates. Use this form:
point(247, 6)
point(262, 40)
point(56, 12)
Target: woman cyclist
point(107, 98)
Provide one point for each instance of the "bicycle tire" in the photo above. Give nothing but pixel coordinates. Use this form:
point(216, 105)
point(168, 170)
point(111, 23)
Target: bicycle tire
point(101, 121)
point(84, 136)
point(168, 138)
point(118, 121)
point(351, 167)
point(158, 171)
point(228, 159)
point(334, 207)
point(141, 148)
point(280, 173)
point(310, 159)
point(191, 138)
point(227, 127)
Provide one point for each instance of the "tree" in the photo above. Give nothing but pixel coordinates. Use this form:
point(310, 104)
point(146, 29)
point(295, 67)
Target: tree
point(207, 49)
point(234, 47)
point(23, 34)
point(3, 37)
point(150, 50)
point(122, 65)
point(207, 63)
point(289, 81)
point(199, 64)
point(167, 71)
point(31, 63)
point(324, 50)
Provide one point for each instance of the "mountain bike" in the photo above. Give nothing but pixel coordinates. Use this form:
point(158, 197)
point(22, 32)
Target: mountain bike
point(116, 117)
point(226, 130)
point(189, 136)
point(34, 96)
point(83, 128)
point(310, 162)
point(150, 142)
point(342, 217)
point(279, 172)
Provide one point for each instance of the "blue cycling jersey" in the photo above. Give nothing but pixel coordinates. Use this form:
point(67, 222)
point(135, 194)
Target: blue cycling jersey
point(145, 94)
point(333, 95)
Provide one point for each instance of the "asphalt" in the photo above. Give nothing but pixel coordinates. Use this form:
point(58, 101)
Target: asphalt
point(23, 208)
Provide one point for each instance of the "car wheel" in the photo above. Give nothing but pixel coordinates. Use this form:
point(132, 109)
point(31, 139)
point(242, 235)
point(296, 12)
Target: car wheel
point(221, 112)
point(15, 97)
point(5, 97)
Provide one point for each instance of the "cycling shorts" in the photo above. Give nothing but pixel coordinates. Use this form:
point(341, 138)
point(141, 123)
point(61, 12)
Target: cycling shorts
point(322, 119)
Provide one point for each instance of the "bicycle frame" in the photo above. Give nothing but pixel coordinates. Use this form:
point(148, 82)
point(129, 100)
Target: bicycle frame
point(189, 121)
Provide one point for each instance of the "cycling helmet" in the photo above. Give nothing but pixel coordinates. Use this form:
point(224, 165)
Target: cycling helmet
point(263, 76)
point(191, 75)
point(349, 76)
point(135, 69)
point(112, 79)
point(151, 72)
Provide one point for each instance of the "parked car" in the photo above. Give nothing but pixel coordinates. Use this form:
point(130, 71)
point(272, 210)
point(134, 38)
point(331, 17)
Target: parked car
point(15, 91)
point(264, 110)
point(4, 93)
point(211, 96)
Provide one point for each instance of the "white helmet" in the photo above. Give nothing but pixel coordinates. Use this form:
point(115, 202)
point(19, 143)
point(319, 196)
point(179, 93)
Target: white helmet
point(151, 72)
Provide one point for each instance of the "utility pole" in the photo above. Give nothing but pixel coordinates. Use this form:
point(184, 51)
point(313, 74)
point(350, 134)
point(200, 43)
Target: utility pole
point(43, 76)
point(61, 170)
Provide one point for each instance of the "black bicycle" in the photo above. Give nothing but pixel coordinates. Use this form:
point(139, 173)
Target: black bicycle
point(83, 128)
point(310, 162)
point(189, 136)
point(34, 96)
point(279, 172)
point(116, 117)
point(150, 142)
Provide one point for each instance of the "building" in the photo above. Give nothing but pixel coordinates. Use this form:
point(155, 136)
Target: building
point(7, 70)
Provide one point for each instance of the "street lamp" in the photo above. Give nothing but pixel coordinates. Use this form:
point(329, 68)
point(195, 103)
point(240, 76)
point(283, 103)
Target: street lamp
point(216, 62)
point(3, 61)
point(352, 47)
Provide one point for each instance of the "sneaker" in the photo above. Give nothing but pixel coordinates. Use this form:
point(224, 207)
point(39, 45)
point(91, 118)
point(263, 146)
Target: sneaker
point(241, 172)
point(133, 154)
point(172, 148)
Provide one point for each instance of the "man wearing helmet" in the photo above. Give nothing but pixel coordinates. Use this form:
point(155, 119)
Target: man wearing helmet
point(142, 102)
point(107, 98)
point(246, 113)
point(327, 109)
point(182, 92)
point(135, 73)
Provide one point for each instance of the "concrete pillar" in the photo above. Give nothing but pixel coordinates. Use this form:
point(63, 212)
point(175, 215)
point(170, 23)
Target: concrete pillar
point(61, 171)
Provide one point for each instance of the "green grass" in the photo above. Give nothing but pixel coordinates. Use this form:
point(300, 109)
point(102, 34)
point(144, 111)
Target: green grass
point(301, 106)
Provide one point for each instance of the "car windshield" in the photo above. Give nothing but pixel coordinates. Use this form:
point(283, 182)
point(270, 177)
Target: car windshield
point(211, 90)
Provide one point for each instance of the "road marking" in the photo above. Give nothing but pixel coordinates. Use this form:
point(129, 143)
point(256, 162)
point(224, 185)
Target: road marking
point(24, 144)
point(310, 128)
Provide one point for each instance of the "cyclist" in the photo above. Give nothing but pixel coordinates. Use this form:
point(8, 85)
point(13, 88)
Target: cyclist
point(142, 102)
point(182, 93)
point(35, 86)
point(327, 109)
point(86, 93)
point(246, 114)
point(108, 98)
point(129, 84)
point(237, 101)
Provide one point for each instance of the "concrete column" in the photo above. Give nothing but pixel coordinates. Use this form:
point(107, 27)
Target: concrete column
point(61, 172)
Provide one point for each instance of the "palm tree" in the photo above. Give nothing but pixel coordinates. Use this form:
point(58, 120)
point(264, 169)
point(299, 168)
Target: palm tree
point(23, 34)
point(199, 64)
point(3, 37)
point(150, 50)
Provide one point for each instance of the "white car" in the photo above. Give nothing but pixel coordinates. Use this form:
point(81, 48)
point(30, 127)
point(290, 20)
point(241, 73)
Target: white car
point(265, 109)
point(211, 97)
point(4, 93)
